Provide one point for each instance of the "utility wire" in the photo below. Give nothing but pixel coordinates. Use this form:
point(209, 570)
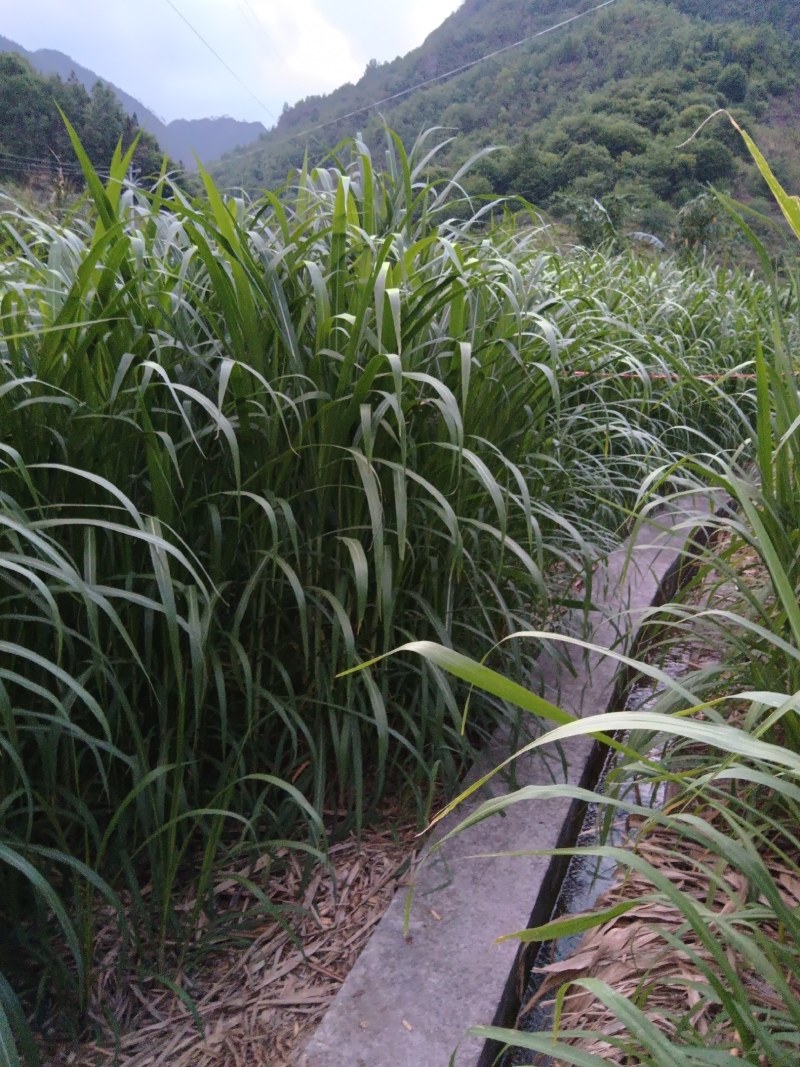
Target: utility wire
point(48, 161)
point(246, 8)
point(9, 160)
point(51, 160)
point(217, 56)
point(436, 78)
point(458, 70)
point(38, 168)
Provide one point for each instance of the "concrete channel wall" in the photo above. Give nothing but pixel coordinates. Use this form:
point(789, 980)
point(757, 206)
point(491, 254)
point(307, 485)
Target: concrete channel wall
point(411, 998)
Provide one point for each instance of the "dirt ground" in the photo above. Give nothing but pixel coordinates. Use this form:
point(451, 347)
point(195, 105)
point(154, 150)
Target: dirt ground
point(255, 1004)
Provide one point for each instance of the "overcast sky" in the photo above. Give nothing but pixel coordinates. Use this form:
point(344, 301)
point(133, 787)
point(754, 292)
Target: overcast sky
point(281, 50)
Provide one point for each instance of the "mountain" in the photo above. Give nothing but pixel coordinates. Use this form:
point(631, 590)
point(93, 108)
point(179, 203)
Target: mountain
point(604, 107)
point(35, 146)
point(782, 14)
point(207, 138)
point(181, 139)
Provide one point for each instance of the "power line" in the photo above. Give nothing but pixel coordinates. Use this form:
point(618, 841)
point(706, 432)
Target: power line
point(24, 159)
point(217, 56)
point(251, 15)
point(32, 165)
point(39, 168)
point(45, 161)
point(458, 70)
point(12, 161)
point(437, 78)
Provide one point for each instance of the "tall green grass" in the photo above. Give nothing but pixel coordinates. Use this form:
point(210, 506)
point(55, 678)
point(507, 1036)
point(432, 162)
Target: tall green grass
point(729, 761)
point(245, 446)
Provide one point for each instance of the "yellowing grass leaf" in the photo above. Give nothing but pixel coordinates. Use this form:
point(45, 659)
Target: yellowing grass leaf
point(789, 205)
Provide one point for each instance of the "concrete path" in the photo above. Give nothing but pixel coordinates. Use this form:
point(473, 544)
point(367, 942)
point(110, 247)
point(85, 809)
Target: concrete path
point(410, 1000)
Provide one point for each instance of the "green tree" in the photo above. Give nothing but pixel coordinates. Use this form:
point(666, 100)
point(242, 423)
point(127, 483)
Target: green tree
point(584, 159)
point(732, 83)
point(667, 170)
point(73, 99)
point(33, 137)
point(616, 134)
point(534, 173)
point(104, 125)
point(24, 118)
point(713, 160)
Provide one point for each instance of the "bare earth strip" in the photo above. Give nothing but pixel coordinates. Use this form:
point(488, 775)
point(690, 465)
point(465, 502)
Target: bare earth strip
point(256, 1004)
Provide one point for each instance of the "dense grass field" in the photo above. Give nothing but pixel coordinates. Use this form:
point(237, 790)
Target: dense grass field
point(247, 446)
point(693, 957)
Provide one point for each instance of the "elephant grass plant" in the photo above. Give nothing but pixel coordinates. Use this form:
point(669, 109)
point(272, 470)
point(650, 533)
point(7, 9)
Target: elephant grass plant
point(246, 446)
point(713, 867)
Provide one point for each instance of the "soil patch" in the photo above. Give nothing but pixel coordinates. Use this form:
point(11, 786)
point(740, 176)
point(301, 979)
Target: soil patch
point(649, 948)
point(255, 1004)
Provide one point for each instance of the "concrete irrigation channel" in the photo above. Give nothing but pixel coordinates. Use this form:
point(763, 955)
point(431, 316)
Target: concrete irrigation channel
point(587, 878)
point(430, 973)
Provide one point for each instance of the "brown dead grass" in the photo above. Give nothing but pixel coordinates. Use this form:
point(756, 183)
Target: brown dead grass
point(255, 1004)
point(648, 956)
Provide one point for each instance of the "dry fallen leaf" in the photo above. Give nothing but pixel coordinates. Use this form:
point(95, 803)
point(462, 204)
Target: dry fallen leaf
point(259, 1004)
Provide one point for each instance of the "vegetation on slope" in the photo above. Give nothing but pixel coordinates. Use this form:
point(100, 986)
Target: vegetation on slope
point(34, 144)
point(782, 14)
point(595, 110)
point(181, 139)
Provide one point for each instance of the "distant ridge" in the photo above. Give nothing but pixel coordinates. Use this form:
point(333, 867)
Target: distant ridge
point(579, 102)
point(181, 139)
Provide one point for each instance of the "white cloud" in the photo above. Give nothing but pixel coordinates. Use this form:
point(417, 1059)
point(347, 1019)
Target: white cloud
point(316, 56)
point(281, 50)
point(423, 16)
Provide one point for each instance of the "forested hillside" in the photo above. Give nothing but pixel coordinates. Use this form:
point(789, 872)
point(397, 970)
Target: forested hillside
point(782, 14)
point(181, 139)
point(34, 143)
point(600, 108)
